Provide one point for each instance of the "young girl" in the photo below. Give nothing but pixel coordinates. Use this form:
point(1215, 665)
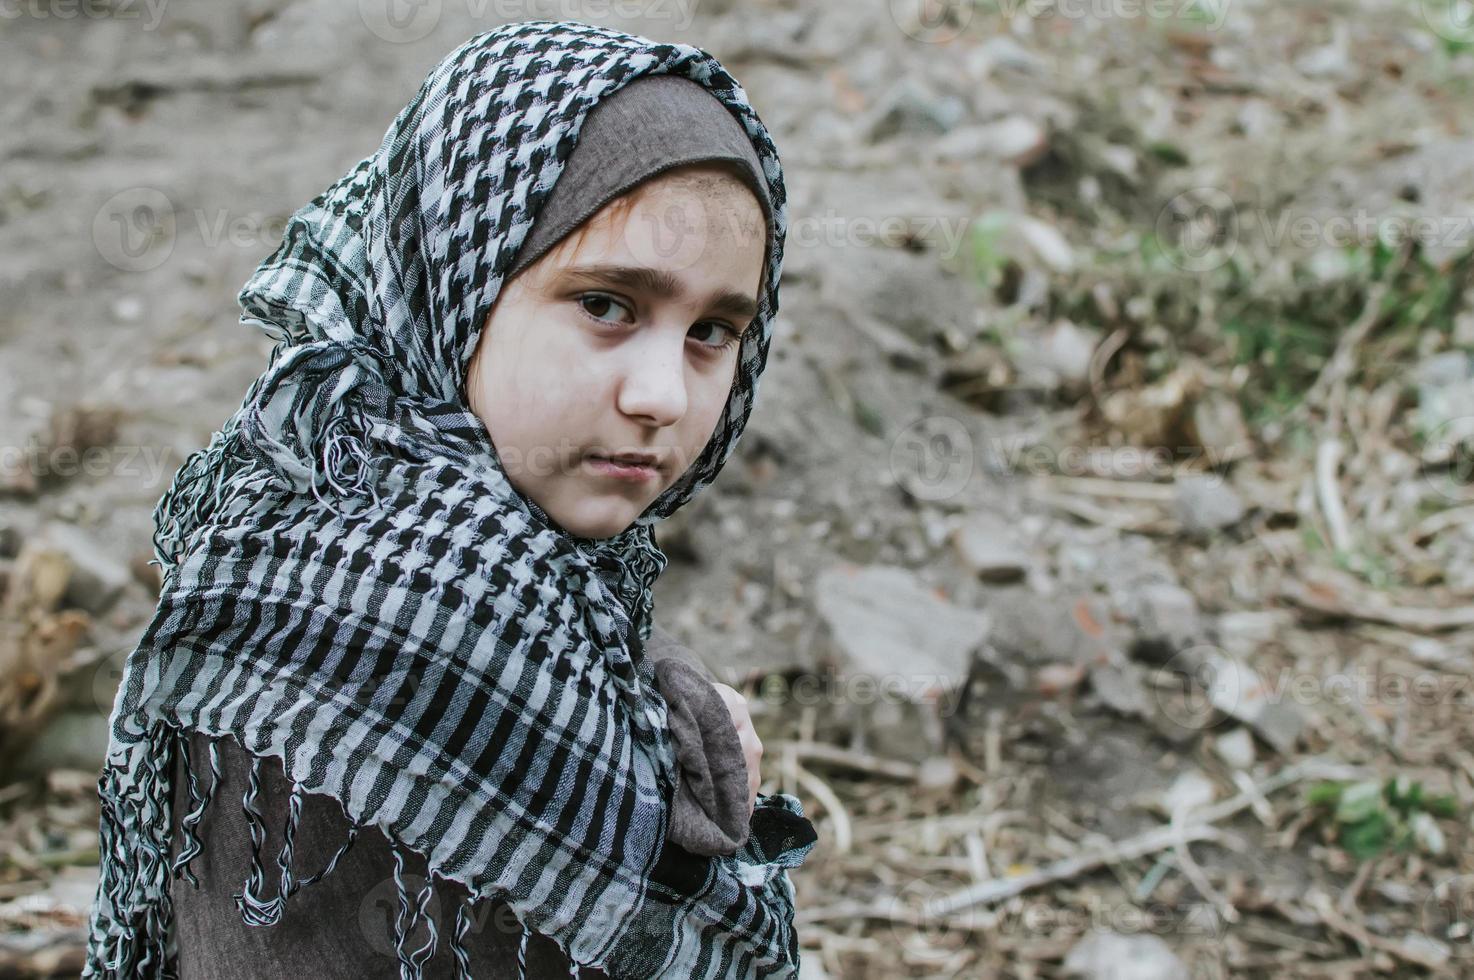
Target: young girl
point(407, 605)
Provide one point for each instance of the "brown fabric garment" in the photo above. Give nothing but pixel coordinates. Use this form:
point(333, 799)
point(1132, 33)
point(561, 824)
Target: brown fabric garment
point(339, 928)
point(652, 124)
point(710, 814)
point(343, 925)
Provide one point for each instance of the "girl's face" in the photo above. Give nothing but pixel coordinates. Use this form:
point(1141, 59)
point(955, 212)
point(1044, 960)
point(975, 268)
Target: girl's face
point(621, 340)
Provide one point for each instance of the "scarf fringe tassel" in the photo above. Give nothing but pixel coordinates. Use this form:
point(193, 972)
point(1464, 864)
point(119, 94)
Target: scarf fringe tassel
point(133, 915)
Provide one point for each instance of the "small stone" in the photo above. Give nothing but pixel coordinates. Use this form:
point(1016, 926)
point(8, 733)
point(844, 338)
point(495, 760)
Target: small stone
point(1331, 60)
point(937, 774)
point(1237, 690)
point(1219, 425)
point(812, 968)
point(1046, 242)
point(1068, 628)
point(1104, 955)
point(1189, 791)
point(41, 577)
point(1429, 950)
point(127, 309)
point(909, 108)
point(1053, 680)
point(1119, 686)
point(1445, 402)
point(1053, 356)
point(1428, 834)
point(987, 546)
point(1244, 633)
point(1002, 51)
point(1015, 140)
point(1165, 617)
point(1236, 749)
point(1207, 503)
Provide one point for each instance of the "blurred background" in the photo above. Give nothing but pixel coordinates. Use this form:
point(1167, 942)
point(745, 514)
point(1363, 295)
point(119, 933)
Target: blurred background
point(1099, 560)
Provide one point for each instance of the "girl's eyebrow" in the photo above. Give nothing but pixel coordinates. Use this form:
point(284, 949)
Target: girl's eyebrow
point(654, 282)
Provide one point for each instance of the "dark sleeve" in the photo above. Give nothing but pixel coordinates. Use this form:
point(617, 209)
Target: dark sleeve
point(664, 646)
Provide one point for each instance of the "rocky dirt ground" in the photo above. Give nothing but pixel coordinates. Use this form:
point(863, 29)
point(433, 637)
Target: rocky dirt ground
point(1100, 557)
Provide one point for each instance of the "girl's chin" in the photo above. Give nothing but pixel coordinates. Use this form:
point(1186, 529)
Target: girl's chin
point(603, 518)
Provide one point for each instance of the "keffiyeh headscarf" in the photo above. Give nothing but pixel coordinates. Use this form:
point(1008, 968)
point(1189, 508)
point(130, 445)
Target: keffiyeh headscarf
point(352, 585)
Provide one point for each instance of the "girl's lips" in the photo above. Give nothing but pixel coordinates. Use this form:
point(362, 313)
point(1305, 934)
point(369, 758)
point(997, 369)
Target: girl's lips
point(622, 471)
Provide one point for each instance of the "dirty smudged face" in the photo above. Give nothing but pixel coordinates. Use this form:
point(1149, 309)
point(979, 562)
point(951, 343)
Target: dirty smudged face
point(604, 366)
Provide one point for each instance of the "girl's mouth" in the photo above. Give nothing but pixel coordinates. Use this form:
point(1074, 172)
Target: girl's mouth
point(621, 470)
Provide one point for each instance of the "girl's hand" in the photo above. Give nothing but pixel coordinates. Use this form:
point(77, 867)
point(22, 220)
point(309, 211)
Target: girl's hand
point(752, 746)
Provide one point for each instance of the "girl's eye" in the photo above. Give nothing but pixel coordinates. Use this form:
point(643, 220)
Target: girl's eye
point(597, 305)
point(727, 334)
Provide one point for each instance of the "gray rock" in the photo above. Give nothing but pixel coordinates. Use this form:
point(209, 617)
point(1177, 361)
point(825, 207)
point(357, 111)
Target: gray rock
point(1220, 428)
point(1236, 689)
point(1189, 791)
point(1445, 401)
point(1243, 633)
point(1106, 955)
point(1120, 687)
point(892, 626)
point(1063, 628)
point(987, 545)
point(10, 540)
point(1003, 51)
point(1027, 240)
point(937, 774)
point(98, 576)
point(1015, 140)
point(906, 292)
point(1207, 503)
point(1165, 619)
point(1053, 355)
point(1236, 749)
point(909, 108)
point(1440, 170)
point(71, 740)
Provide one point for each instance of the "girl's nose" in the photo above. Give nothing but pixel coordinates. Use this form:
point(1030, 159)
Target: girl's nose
point(653, 389)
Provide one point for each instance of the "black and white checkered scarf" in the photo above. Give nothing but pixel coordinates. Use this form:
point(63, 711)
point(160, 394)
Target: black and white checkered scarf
point(353, 587)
